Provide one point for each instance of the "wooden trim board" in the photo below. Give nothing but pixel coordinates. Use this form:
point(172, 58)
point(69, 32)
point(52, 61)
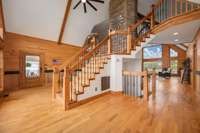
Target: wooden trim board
point(187, 17)
point(66, 16)
point(17, 35)
point(79, 103)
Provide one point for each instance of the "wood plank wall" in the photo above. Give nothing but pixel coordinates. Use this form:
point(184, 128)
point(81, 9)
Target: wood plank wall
point(166, 55)
point(1, 70)
point(126, 8)
point(15, 43)
point(198, 61)
point(194, 54)
point(190, 54)
point(2, 26)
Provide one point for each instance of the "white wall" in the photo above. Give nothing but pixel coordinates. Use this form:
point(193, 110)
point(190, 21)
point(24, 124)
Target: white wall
point(113, 69)
point(37, 18)
point(133, 65)
point(80, 24)
point(43, 19)
point(96, 84)
point(119, 63)
point(116, 73)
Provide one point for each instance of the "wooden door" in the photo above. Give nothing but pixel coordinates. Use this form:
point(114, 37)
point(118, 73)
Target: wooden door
point(31, 70)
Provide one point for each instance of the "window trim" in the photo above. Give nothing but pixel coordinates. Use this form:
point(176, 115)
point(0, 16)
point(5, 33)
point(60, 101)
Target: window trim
point(151, 47)
point(173, 56)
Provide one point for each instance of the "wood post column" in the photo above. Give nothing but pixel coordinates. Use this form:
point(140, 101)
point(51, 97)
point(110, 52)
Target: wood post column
point(129, 40)
point(66, 88)
point(55, 84)
point(154, 83)
point(145, 86)
point(110, 43)
point(153, 16)
point(1, 70)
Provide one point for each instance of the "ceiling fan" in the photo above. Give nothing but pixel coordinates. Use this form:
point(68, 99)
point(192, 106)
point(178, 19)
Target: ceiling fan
point(84, 2)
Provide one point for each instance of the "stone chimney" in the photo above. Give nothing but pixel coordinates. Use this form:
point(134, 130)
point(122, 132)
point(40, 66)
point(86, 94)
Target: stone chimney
point(125, 8)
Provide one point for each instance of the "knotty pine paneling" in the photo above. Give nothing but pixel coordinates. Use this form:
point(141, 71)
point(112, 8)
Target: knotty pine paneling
point(1, 71)
point(2, 26)
point(190, 54)
point(166, 55)
point(15, 43)
point(198, 61)
point(193, 53)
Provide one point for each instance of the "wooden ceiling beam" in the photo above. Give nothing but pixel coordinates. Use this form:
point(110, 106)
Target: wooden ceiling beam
point(66, 16)
point(182, 44)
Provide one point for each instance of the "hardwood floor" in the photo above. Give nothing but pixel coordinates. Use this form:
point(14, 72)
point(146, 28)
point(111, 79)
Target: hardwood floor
point(175, 109)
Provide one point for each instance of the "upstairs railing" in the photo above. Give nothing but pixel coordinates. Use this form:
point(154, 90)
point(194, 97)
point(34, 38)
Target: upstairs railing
point(71, 77)
point(166, 9)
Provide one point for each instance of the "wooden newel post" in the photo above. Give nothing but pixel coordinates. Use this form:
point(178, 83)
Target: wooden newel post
point(145, 86)
point(109, 43)
point(94, 42)
point(55, 80)
point(129, 40)
point(154, 83)
point(1, 70)
point(66, 88)
point(153, 16)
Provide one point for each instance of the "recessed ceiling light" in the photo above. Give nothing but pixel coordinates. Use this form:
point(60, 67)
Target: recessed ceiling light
point(176, 33)
point(176, 40)
point(83, 1)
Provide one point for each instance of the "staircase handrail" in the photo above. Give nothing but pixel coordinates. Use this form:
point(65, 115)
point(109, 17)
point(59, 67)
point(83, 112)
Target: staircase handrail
point(87, 56)
point(135, 25)
point(80, 53)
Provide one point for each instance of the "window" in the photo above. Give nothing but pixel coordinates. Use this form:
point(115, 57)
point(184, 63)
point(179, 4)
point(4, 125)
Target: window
point(173, 53)
point(32, 66)
point(153, 65)
point(174, 66)
point(152, 52)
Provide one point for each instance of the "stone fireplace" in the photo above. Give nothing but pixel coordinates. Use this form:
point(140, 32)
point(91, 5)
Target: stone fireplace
point(126, 9)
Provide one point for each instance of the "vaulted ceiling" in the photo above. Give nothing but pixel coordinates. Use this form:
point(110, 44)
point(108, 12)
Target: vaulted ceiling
point(43, 18)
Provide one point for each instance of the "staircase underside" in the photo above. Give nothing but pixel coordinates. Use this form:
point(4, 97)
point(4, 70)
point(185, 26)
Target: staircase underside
point(177, 20)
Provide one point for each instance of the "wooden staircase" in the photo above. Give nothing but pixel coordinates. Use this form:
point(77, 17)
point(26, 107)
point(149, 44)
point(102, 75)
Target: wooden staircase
point(71, 79)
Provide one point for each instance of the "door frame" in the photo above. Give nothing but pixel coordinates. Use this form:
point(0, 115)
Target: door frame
point(22, 77)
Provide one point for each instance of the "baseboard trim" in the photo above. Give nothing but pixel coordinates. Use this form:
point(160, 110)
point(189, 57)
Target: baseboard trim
point(79, 103)
point(116, 92)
